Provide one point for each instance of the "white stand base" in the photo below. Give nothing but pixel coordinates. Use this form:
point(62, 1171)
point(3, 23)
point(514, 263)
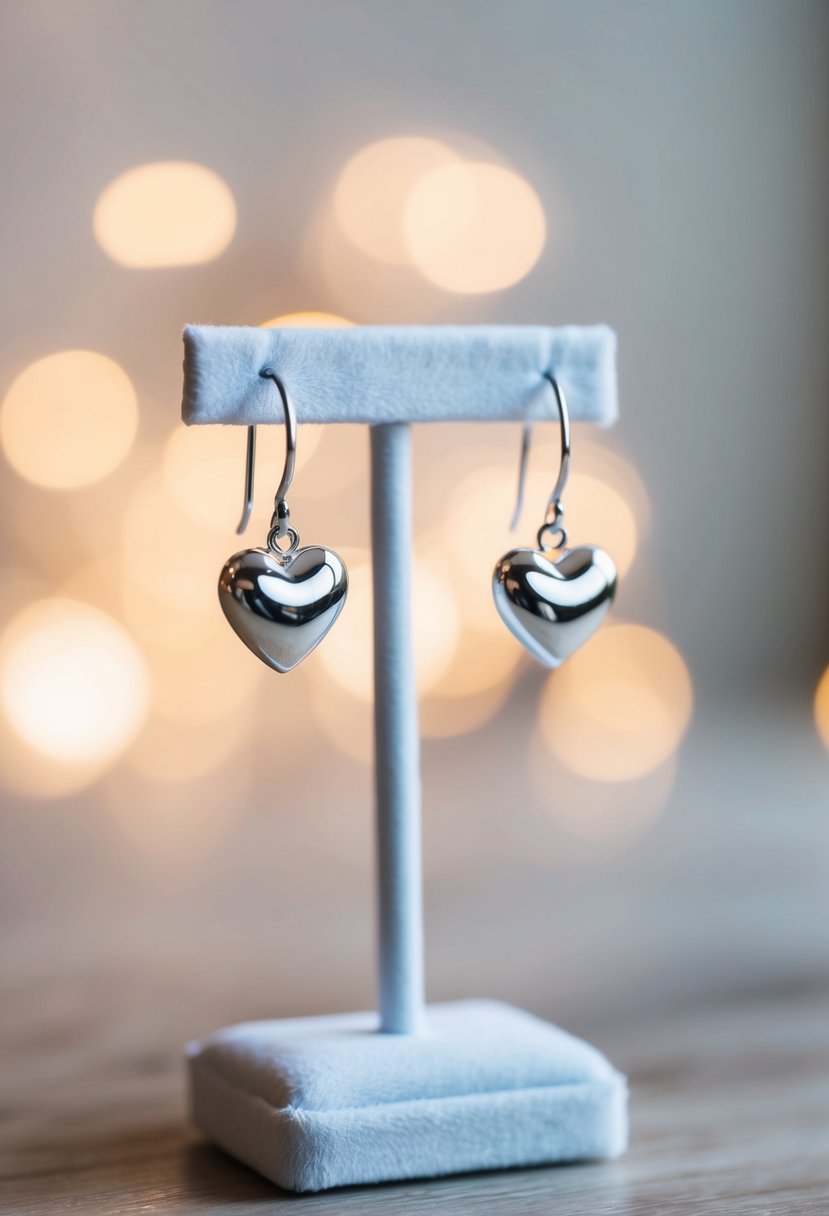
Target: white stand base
point(321, 1102)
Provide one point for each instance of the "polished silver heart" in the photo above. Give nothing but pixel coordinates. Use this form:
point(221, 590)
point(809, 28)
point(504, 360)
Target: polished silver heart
point(282, 605)
point(554, 606)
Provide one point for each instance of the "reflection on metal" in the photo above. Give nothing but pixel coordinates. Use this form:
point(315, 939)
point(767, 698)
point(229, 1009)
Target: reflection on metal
point(553, 607)
point(282, 606)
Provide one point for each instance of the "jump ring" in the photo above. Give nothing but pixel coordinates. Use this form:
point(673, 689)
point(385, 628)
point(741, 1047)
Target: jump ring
point(274, 538)
point(548, 531)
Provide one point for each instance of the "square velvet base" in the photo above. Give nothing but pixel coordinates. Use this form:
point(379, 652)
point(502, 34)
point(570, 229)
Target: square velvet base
point(320, 1102)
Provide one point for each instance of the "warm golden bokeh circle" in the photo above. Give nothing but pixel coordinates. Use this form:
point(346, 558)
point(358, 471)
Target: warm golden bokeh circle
point(373, 188)
point(74, 686)
point(201, 672)
point(307, 320)
point(169, 213)
point(597, 514)
point(69, 419)
point(473, 227)
point(619, 707)
point(346, 654)
point(822, 708)
point(604, 464)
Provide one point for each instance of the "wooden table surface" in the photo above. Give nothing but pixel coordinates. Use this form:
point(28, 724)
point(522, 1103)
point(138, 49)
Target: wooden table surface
point(730, 1113)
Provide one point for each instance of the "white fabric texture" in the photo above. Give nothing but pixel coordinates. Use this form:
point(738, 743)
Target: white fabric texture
point(397, 745)
point(314, 1103)
point(390, 373)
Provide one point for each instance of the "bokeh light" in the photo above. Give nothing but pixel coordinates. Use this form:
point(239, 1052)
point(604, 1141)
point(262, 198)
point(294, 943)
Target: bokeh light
point(347, 656)
point(373, 188)
point(349, 279)
point(484, 659)
point(69, 419)
point(598, 514)
point(73, 684)
point(201, 672)
point(603, 464)
point(169, 568)
point(619, 707)
point(307, 320)
point(204, 471)
point(473, 227)
point(22, 767)
point(170, 213)
point(822, 708)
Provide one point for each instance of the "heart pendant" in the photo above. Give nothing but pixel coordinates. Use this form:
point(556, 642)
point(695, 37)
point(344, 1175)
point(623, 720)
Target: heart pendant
point(282, 605)
point(553, 607)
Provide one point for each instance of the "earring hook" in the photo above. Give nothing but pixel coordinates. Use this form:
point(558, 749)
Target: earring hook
point(554, 509)
point(279, 521)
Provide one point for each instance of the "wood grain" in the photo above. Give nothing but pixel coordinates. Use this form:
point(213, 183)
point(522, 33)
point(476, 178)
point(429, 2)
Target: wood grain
point(730, 1114)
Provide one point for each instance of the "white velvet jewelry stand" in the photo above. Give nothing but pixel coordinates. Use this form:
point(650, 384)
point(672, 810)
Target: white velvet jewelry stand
point(419, 1090)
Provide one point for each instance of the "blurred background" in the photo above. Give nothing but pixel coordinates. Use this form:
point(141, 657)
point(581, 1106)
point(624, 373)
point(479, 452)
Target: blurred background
point(644, 828)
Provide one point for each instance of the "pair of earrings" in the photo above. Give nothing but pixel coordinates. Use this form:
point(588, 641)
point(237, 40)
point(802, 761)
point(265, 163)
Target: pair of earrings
point(282, 600)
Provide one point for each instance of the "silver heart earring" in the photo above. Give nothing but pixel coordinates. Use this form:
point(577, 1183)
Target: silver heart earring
point(281, 601)
point(553, 606)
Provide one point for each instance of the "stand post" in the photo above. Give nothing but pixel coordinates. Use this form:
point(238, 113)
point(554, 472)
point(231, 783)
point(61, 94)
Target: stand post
point(397, 744)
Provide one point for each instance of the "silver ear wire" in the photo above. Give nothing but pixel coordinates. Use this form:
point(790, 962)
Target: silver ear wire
point(281, 514)
point(526, 440)
point(250, 461)
point(555, 508)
